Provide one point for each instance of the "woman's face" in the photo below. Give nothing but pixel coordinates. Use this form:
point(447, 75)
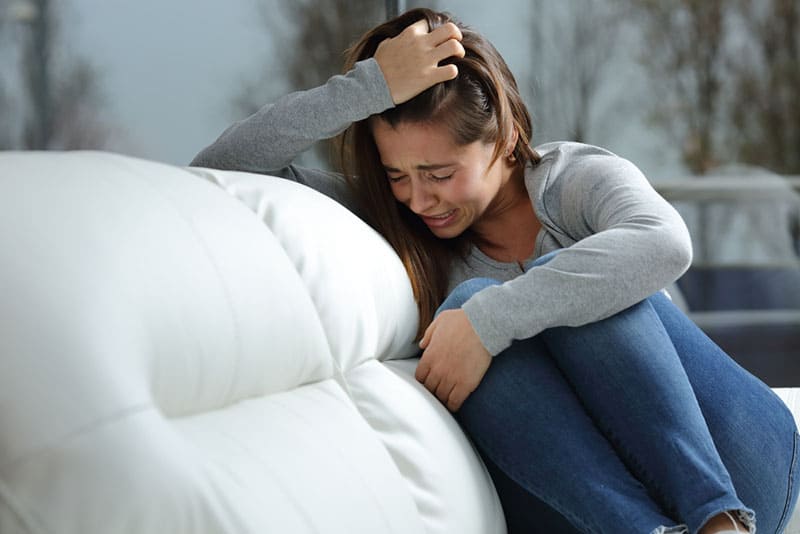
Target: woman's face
point(450, 187)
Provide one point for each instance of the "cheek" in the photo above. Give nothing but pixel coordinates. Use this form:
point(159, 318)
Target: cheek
point(468, 190)
point(399, 192)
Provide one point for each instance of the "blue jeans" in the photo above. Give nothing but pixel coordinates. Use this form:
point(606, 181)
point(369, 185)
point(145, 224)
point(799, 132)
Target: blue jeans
point(637, 423)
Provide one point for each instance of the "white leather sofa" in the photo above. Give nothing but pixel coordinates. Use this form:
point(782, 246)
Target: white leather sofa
point(177, 359)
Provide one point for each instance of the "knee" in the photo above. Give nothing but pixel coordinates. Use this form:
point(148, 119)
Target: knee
point(463, 291)
point(635, 321)
point(639, 317)
point(541, 260)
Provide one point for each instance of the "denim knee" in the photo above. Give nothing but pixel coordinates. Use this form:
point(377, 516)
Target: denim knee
point(463, 291)
point(541, 260)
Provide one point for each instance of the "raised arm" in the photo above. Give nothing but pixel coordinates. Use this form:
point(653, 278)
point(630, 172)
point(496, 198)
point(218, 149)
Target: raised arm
point(268, 141)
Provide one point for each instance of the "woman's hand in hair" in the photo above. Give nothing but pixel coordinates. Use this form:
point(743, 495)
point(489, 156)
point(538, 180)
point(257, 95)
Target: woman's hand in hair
point(454, 360)
point(410, 61)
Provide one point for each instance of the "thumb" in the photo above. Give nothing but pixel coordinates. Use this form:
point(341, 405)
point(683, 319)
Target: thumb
point(426, 337)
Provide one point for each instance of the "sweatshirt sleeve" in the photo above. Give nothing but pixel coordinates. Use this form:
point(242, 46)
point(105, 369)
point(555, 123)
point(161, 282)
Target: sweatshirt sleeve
point(269, 140)
point(629, 243)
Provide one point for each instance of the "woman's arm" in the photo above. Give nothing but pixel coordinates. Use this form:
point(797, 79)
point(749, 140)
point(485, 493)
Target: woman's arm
point(630, 244)
point(268, 141)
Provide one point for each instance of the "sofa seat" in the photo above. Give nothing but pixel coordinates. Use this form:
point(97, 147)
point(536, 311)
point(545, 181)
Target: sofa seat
point(194, 351)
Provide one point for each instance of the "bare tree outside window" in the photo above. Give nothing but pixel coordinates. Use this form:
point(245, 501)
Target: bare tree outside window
point(725, 79)
point(684, 51)
point(573, 45)
point(8, 63)
point(57, 99)
point(766, 107)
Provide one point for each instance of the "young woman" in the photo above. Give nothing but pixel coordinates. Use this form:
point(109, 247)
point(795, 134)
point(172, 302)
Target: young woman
point(595, 403)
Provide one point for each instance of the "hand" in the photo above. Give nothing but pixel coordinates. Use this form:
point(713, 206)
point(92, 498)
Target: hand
point(454, 360)
point(410, 61)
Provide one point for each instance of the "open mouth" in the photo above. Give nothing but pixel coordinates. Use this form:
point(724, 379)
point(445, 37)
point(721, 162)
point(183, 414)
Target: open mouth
point(437, 221)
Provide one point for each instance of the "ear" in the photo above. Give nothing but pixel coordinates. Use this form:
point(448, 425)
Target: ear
point(508, 151)
point(512, 142)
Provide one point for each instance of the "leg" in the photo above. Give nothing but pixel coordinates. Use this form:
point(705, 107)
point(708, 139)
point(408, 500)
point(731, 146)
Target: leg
point(524, 513)
point(753, 433)
point(753, 430)
point(551, 465)
point(629, 377)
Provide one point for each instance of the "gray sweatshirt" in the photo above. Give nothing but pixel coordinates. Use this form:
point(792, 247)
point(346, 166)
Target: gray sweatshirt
point(621, 241)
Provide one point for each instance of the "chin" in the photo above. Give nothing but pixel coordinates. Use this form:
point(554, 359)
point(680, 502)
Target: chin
point(450, 232)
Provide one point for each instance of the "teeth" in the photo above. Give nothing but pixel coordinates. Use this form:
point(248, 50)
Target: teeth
point(446, 215)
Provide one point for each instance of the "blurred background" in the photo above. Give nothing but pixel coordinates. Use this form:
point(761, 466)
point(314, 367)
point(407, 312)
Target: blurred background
point(703, 95)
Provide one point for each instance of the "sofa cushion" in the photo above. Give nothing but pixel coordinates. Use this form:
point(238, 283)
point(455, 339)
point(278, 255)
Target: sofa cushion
point(359, 287)
point(172, 361)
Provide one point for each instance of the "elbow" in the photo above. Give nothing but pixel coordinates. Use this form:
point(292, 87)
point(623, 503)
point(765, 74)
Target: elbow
point(683, 259)
point(206, 159)
point(198, 161)
point(202, 158)
point(684, 248)
point(676, 257)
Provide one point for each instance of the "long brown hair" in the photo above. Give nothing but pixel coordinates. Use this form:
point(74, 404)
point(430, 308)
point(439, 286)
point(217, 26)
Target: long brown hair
point(481, 104)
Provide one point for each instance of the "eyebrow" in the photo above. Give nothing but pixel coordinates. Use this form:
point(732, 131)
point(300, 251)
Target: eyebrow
point(433, 167)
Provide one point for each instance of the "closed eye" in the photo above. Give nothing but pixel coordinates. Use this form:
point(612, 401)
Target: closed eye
point(395, 179)
point(440, 178)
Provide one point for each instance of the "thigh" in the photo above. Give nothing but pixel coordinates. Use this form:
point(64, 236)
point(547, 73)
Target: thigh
point(751, 427)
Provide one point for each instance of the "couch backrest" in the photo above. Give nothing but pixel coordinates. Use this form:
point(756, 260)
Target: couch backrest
point(170, 362)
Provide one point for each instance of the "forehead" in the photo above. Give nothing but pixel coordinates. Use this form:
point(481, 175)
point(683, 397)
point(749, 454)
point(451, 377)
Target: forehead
point(413, 141)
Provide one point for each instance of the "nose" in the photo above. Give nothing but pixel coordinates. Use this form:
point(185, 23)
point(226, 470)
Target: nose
point(421, 199)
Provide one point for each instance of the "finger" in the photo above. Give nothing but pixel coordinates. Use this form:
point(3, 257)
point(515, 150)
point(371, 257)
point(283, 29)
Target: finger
point(448, 49)
point(444, 33)
point(432, 381)
point(445, 73)
point(418, 28)
point(423, 369)
point(444, 389)
point(456, 399)
point(426, 337)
